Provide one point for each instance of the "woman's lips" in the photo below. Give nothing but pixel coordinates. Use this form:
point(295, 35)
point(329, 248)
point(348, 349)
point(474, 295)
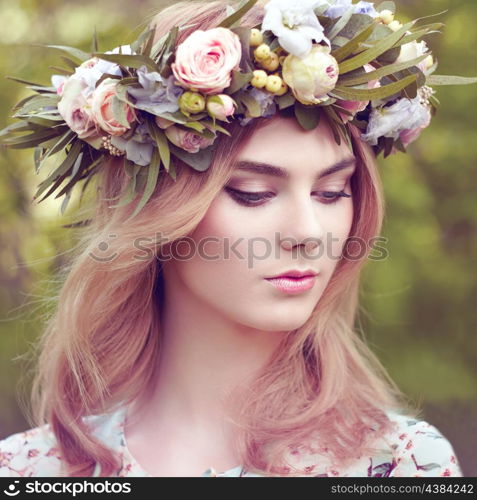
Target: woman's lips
point(291, 285)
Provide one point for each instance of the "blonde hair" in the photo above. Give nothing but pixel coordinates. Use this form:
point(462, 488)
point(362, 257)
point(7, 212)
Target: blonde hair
point(100, 348)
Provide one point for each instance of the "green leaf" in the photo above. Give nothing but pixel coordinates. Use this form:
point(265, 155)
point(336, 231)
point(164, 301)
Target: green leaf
point(130, 192)
point(69, 62)
point(308, 116)
point(62, 169)
point(239, 80)
point(32, 140)
point(74, 175)
point(162, 143)
point(94, 44)
point(61, 71)
point(340, 24)
point(352, 45)
point(236, 16)
point(119, 111)
point(379, 73)
point(60, 145)
point(199, 161)
point(450, 80)
point(152, 176)
point(374, 52)
point(14, 128)
point(147, 48)
point(130, 61)
point(19, 80)
point(286, 100)
point(251, 104)
point(352, 94)
point(38, 102)
point(79, 54)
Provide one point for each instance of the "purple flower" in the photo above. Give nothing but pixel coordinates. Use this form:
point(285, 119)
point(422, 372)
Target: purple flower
point(138, 148)
point(404, 115)
point(338, 7)
point(266, 101)
point(157, 95)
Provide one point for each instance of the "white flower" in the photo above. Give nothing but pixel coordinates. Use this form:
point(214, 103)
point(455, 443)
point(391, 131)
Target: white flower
point(413, 50)
point(295, 24)
point(404, 114)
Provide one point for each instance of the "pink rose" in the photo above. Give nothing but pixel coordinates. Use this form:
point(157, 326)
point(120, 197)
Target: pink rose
point(186, 139)
point(355, 107)
point(205, 60)
point(75, 108)
point(102, 109)
point(221, 110)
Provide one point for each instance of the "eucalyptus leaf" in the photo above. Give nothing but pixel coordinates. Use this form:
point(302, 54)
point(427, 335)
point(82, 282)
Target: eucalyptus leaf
point(352, 94)
point(130, 192)
point(152, 176)
point(239, 80)
point(19, 80)
point(79, 54)
point(450, 80)
point(131, 61)
point(374, 52)
point(236, 16)
point(61, 71)
point(354, 44)
point(308, 116)
point(286, 100)
point(340, 24)
point(62, 169)
point(199, 161)
point(379, 73)
point(69, 62)
point(162, 143)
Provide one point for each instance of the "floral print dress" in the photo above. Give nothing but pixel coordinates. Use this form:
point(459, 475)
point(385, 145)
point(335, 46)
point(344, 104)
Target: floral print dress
point(413, 448)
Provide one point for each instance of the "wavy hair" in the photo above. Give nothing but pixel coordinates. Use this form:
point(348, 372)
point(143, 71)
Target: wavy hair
point(100, 347)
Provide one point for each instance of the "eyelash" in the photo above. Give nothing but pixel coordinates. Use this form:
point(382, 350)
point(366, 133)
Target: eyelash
point(241, 197)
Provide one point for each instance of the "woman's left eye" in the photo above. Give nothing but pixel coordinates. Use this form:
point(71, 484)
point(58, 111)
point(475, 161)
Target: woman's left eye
point(256, 199)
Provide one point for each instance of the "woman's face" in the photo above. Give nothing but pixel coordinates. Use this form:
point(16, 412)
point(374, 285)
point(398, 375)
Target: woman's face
point(263, 225)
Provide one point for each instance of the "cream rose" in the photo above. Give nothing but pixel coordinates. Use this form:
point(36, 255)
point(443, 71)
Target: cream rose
point(102, 109)
point(205, 60)
point(75, 108)
point(312, 76)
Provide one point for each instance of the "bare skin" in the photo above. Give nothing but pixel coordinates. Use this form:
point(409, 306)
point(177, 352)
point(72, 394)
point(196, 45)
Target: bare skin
point(221, 319)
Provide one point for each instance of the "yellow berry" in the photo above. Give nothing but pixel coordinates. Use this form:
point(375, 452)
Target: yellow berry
point(262, 52)
point(395, 25)
point(274, 83)
point(272, 63)
point(259, 79)
point(386, 16)
point(256, 37)
point(283, 89)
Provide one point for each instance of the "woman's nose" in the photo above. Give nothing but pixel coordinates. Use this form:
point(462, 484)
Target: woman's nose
point(302, 225)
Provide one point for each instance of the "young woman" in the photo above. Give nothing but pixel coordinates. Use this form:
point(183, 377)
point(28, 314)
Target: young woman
point(176, 350)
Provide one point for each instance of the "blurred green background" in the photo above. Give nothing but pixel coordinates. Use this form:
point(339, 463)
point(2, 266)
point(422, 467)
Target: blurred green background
point(419, 305)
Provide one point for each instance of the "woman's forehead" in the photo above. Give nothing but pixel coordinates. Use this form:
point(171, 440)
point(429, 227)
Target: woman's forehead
point(282, 141)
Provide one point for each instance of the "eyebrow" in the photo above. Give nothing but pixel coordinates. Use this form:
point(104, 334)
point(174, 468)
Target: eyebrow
point(275, 171)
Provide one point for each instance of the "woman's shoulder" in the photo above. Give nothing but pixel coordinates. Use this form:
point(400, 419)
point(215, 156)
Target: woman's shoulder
point(410, 448)
point(30, 453)
point(420, 449)
point(35, 452)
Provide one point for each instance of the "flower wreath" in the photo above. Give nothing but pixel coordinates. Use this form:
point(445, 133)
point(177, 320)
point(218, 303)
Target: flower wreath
point(145, 102)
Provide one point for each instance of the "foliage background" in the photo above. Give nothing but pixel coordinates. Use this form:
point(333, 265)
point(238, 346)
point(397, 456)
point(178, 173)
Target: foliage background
point(419, 304)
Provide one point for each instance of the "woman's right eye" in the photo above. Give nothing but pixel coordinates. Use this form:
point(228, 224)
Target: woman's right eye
point(248, 199)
